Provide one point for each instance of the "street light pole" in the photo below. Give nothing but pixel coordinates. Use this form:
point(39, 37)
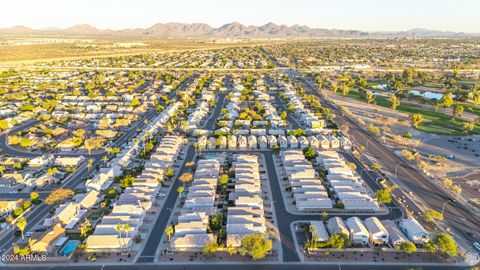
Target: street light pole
point(443, 206)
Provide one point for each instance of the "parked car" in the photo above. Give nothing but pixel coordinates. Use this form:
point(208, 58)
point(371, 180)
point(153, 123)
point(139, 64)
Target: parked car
point(477, 245)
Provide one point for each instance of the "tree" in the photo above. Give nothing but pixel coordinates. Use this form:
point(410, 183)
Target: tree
point(417, 119)
point(180, 190)
point(458, 110)
point(309, 153)
point(394, 101)
point(90, 164)
point(407, 247)
point(345, 89)
point(210, 248)
point(255, 245)
point(338, 241)
point(127, 181)
point(408, 154)
point(223, 179)
point(385, 195)
point(376, 166)
point(25, 142)
point(430, 247)
point(369, 97)
point(216, 222)
point(430, 215)
point(34, 196)
point(324, 216)
point(231, 250)
point(93, 143)
point(457, 189)
point(169, 231)
point(334, 86)
point(468, 126)
point(283, 115)
point(186, 177)
point(447, 100)
point(119, 229)
point(2, 169)
point(3, 124)
point(447, 182)
point(126, 228)
point(58, 196)
point(52, 171)
point(445, 244)
point(80, 133)
point(407, 76)
point(21, 224)
point(169, 172)
point(85, 229)
point(134, 102)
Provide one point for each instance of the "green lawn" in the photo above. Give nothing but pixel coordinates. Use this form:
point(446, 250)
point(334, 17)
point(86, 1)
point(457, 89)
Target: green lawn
point(434, 122)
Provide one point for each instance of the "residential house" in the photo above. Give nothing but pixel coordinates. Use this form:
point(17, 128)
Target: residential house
point(378, 233)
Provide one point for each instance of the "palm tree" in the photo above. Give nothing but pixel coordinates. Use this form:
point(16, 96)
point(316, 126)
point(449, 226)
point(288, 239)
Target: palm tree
point(105, 159)
point(169, 232)
point(180, 190)
point(90, 165)
point(119, 229)
point(109, 150)
point(149, 135)
point(21, 225)
point(126, 229)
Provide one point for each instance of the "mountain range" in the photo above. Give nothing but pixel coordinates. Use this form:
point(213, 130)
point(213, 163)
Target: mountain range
point(230, 30)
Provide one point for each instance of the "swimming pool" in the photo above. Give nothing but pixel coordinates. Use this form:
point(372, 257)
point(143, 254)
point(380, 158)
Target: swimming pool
point(69, 247)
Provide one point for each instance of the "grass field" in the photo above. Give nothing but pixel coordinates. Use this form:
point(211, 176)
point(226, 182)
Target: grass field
point(434, 122)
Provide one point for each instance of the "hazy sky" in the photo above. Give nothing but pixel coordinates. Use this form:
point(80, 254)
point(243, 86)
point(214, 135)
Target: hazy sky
point(366, 15)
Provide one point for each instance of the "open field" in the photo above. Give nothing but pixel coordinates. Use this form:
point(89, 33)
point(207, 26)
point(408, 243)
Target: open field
point(101, 47)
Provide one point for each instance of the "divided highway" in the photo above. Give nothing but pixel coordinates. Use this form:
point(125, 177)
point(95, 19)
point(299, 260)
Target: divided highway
point(462, 221)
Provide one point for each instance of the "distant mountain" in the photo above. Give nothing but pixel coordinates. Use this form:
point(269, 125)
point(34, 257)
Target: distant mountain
point(84, 29)
point(430, 33)
point(178, 30)
point(232, 30)
point(18, 29)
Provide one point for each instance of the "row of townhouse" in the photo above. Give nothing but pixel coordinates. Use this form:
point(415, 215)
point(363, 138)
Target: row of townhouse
point(308, 189)
point(135, 201)
point(191, 231)
point(303, 114)
point(267, 141)
point(247, 215)
point(345, 185)
point(200, 112)
point(128, 154)
point(371, 231)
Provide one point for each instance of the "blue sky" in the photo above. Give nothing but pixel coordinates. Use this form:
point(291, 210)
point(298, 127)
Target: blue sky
point(366, 15)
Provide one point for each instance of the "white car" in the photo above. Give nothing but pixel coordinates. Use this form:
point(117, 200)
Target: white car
point(477, 245)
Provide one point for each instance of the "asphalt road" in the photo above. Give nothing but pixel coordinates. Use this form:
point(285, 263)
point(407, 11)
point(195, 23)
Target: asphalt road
point(233, 266)
point(460, 219)
point(153, 241)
